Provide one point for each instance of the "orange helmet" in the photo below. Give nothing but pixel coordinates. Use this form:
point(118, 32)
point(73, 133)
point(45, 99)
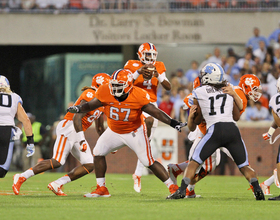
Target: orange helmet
point(147, 53)
point(251, 86)
point(99, 79)
point(121, 82)
point(196, 82)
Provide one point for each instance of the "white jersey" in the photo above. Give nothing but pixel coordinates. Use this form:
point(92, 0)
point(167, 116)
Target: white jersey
point(274, 103)
point(216, 106)
point(8, 108)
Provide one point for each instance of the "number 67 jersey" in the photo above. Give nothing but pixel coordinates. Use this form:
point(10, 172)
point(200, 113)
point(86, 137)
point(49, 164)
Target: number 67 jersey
point(216, 106)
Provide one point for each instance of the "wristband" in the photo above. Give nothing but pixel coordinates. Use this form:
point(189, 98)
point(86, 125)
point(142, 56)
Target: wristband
point(135, 75)
point(30, 139)
point(81, 135)
point(271, 131)
point(161, 78)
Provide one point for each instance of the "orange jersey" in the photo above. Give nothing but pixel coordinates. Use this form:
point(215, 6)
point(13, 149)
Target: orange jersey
point(151, 85)
point(123, 117)
point(242, 95)
point(89, 118)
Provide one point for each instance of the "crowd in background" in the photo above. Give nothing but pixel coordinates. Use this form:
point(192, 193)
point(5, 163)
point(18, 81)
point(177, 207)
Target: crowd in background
point(261, 58)
point(96, 5)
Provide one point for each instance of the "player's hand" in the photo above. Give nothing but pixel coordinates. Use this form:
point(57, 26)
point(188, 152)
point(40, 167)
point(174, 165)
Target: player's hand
point(266, 136)
point(74, 109)
point(83, 146)
point(30, 150)
point(178, 125)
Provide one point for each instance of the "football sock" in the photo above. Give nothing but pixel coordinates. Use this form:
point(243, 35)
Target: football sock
point(168, 182)
point(191, 187)
point(28, 173)
point(139, 168)
point(255, 183)
point(63, 180)
point(100, 181)
point(269, 181)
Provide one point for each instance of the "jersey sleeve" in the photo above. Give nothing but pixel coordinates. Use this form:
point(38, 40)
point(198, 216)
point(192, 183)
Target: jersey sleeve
point(160, 67)
point(188, 102)
point(132, 65)
point(143, 96)
point(241, 94)
point(102, 92)
point(87, 95)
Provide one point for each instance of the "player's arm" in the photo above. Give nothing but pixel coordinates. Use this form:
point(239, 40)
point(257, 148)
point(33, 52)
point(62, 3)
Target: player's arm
point(229, 90)
point(77, 119)
point(163, 80)
point(23, 118)
point(99, 125)
point(235, 112)
point(86, 107)
point(162, 116)
point(195, 115)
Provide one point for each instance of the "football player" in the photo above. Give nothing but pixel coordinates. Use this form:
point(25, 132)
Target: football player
point(274, 105)
point(147, 74)
point(11, 107)
point(220, 109)
point(70, 139)
point(124, 104)
point(249, 88)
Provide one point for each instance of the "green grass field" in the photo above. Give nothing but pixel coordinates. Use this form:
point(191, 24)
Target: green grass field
point(223, 197)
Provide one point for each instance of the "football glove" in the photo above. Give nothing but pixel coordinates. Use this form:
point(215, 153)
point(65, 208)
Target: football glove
point(74, 109)
point(30, 150)
point(177, 125)
point(267, 136)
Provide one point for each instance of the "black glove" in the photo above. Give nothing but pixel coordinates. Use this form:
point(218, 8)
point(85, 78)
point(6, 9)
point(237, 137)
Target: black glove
point(74, 109)
point(177, 125)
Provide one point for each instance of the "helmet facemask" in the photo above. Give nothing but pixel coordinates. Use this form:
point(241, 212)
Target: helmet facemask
point(149, 57)
point(255, 93)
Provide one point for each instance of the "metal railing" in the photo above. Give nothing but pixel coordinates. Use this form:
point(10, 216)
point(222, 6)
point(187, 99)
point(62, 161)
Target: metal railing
point(131, 6)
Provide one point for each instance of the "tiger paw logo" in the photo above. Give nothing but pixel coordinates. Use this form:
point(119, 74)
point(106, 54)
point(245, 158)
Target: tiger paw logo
point(249, 81)
point(100, 80)
point(90, 95)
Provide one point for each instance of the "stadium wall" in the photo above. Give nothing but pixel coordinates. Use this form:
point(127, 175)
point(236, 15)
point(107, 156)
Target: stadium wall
point(133, 28)
point(262, 155)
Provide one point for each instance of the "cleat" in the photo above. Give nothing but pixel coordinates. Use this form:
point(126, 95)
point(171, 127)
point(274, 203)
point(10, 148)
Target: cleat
point(176, 195)
point(56, 188)
point(100, 191)
point(259, 194)
point(137, 183)
point(265, 189)
point(173, 188)
point(191, 194)
point(174, 170)
point(274, 198)
point(18, 181)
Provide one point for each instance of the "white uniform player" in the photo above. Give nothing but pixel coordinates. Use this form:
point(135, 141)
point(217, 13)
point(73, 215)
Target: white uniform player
point(11, 107)
point(220, 113)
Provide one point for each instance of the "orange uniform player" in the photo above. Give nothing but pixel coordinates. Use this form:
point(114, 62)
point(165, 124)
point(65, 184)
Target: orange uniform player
point(147, 54)
point(123, 105)
point(70, 139)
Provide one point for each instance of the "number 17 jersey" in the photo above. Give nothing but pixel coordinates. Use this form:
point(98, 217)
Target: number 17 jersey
point(216, 106)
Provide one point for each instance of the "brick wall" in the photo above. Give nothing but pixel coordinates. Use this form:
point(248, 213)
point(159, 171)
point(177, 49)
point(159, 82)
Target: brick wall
point(262, 155)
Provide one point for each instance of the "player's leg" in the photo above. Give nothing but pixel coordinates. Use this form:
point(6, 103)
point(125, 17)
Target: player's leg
point(277, 175)
point(109, 141)
point(60, 152)
point(87, 166)
point(139, 143)
point(6, 148)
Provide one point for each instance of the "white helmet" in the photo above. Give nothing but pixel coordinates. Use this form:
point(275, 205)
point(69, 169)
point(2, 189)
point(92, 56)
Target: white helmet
point(4, 82)
point(212, 73)
point(278, 84)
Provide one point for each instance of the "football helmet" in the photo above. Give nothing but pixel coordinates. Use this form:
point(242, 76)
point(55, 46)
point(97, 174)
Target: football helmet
point(251, 86)
point(121, 82)
point(196, 82)
point(212, 73)
point(99, 79)
point(147, 53)
point(4, 82)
